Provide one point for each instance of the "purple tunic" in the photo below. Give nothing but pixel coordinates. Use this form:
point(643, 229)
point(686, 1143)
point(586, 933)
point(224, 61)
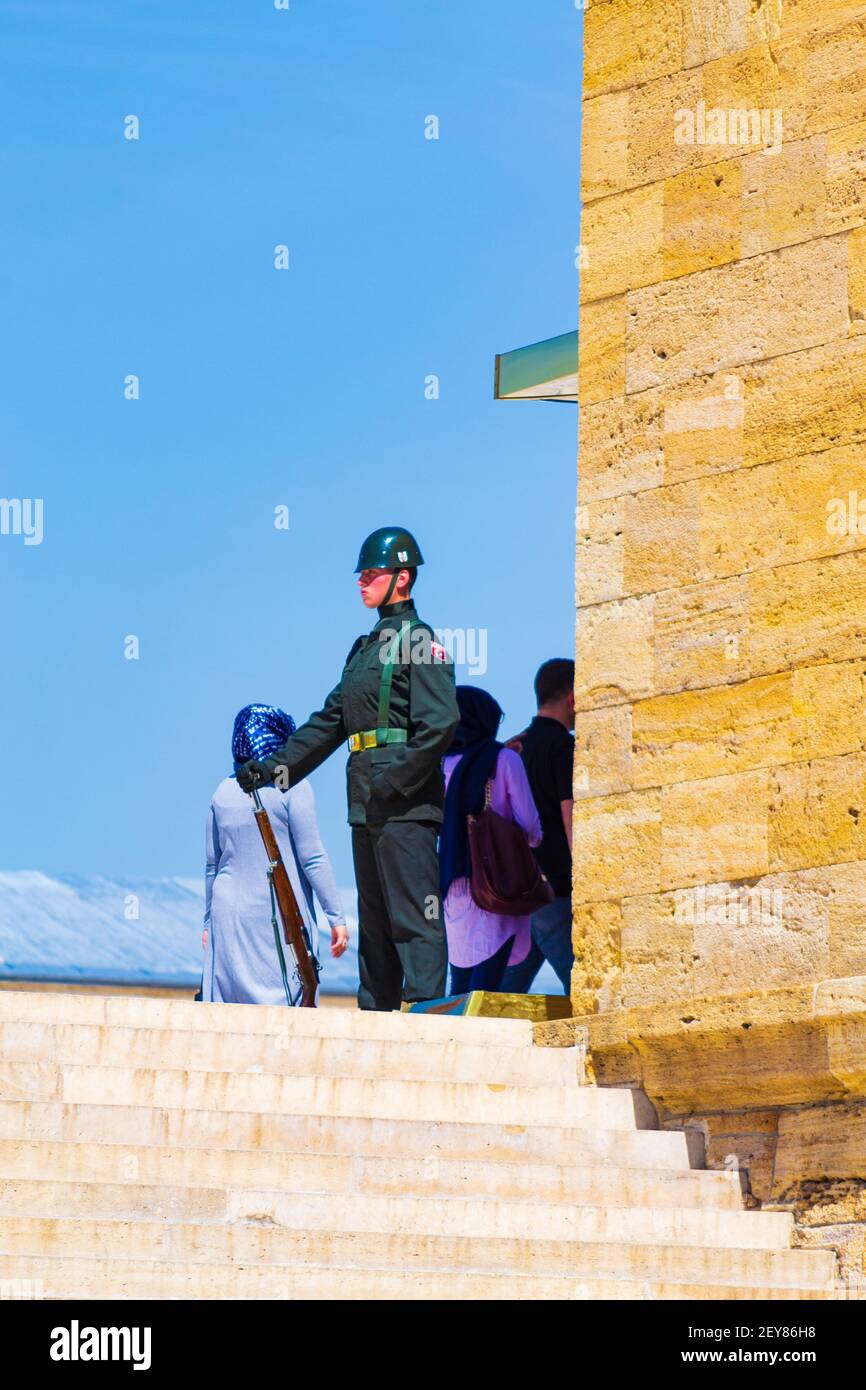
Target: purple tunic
point(473, 934)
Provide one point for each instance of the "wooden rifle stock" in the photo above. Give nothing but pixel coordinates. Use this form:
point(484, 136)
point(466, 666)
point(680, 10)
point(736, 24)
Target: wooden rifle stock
point(294, 931)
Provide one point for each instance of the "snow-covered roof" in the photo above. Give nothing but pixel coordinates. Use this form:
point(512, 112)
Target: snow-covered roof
point(95, 930)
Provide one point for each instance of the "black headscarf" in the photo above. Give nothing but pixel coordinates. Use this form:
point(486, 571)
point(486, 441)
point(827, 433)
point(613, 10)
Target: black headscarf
point(480, 717)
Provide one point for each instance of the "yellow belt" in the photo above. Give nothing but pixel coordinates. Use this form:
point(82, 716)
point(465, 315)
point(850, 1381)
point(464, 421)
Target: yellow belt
point(375, 738)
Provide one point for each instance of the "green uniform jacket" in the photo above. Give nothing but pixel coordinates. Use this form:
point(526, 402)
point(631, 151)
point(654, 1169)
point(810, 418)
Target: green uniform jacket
point(399, 781)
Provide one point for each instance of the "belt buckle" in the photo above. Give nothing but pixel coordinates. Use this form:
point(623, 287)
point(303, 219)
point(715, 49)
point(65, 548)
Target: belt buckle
point(353, 743)
point(368, 738)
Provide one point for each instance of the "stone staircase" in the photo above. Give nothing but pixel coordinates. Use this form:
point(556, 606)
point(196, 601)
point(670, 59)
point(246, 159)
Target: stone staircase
point(152, 1148)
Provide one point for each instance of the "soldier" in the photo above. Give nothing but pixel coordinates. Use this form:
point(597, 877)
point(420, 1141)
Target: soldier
point(395, 706)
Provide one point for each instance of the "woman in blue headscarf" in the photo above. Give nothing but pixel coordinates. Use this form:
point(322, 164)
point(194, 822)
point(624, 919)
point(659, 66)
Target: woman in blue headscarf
point(246, 962)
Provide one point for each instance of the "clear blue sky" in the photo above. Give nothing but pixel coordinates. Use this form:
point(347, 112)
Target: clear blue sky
point(260, 387)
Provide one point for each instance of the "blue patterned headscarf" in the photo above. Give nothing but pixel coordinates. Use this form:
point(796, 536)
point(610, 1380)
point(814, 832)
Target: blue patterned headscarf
point(259, 731)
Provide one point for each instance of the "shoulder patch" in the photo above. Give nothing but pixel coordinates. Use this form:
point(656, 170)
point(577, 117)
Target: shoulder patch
point(438, 652)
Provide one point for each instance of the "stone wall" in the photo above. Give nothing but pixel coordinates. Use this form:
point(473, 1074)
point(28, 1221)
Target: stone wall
point(720, 807)
point(770, 1083)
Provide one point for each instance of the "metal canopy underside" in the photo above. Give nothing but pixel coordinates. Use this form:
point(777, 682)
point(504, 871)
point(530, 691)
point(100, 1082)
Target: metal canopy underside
point(545, 371)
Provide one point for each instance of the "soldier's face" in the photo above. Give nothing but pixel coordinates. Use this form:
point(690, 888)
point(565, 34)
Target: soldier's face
point(374, 586)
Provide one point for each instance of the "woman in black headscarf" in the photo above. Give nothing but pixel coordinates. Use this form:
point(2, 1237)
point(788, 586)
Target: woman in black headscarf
point(480, 944)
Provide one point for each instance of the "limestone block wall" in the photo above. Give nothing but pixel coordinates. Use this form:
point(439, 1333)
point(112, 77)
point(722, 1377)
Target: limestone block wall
point(720, 803)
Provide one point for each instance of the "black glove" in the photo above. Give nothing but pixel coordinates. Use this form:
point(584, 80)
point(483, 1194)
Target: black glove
point(254, 774)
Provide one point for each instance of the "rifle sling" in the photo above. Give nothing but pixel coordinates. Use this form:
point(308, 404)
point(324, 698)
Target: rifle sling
point(384, 712)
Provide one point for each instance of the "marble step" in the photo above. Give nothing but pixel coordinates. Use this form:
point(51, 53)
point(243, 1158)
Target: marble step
point(404, 1214)
point(260, 1243)
point(91, 1278)
point(161, 1148)
point(136, 1011)
point(662, 1150)
point(285, 1054)
point(377, 1098)
point(218, 1171)
point(518, 1218)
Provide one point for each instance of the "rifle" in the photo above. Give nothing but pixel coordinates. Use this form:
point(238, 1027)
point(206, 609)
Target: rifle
point(294, 931)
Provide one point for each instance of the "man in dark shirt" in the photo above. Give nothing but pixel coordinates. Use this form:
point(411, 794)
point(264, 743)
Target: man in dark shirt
point(547, 749)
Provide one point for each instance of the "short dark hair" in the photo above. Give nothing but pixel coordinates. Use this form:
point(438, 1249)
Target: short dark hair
point(554, 679)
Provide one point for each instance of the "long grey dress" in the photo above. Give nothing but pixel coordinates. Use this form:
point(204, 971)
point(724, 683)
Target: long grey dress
point(242, 961)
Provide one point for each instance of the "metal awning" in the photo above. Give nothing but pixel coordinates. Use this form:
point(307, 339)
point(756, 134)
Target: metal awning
point(544, 371)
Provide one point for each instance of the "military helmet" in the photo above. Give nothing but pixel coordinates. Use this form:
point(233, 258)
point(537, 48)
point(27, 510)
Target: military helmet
point(391, 547)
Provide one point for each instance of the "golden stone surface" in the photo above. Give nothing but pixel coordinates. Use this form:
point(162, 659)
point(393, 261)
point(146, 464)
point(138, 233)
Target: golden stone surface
point(720, 778)
point(601, 372)
point(628, 42)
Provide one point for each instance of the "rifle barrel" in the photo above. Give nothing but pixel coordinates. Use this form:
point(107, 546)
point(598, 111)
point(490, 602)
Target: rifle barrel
point(293, 923)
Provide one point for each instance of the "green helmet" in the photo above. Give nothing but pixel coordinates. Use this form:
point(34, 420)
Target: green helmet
point(391, 547)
